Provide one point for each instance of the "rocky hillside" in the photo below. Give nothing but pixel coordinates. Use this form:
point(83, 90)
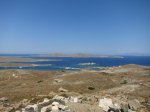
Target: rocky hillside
point(117, 89)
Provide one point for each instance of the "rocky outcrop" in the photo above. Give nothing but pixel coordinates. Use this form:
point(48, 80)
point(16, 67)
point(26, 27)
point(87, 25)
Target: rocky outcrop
point(56, 104)
point(81, 103)
point(131, 106)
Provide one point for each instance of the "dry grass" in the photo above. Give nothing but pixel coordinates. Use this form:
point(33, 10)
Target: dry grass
point(28, 84)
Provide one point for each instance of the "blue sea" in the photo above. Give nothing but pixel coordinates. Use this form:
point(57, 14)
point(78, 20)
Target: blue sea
point(79, 63)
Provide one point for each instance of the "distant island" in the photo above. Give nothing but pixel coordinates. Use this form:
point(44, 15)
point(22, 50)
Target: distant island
point(80, 55)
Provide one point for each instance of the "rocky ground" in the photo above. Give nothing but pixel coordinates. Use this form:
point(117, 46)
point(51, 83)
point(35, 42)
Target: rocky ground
point(117, 89)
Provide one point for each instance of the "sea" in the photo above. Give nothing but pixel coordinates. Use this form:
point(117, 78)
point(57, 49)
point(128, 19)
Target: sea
point(72, 63)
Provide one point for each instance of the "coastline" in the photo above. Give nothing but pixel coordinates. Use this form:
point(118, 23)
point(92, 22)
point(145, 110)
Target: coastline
point(113, 82)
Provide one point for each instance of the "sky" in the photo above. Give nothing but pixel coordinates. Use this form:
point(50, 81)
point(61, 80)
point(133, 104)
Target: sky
point(75, 26)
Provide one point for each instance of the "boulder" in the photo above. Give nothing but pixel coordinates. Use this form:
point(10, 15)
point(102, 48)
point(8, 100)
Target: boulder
point(60, 99)
point(134, 104)
point(55, 109)
point(73, 99)
point(32, 108)
point(105, 104)
point(55, 104)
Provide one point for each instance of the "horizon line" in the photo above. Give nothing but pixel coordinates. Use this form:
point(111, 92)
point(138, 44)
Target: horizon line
point(102, 54)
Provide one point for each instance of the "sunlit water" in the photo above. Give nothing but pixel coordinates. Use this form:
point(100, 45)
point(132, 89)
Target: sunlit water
point(80, 63)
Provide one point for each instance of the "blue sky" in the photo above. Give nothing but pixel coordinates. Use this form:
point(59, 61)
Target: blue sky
point(75, 26)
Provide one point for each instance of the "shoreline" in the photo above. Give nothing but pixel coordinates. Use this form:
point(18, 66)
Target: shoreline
point(128, 81)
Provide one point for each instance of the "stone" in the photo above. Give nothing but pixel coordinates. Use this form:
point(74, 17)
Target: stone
point(134, 104)
point(62, 90)
point(18, 106)
point(17, 111)
point(46, 109)
point(117, 106)
point(42, 96)
point(55, 109)
point(92, 100)
point(55, 104)
point(71, 99)
point(45, 102)
point(60, 99)
point(63, 107)
point(22, 103)
point(131, 110)
point(34, 100)
point(4, 101)
point(113, 110)
point(32, 108)
point(23, 110)
point(25, 100)
point(124, 107)
point(105, 104)
point(58, 80)
point(75, 100)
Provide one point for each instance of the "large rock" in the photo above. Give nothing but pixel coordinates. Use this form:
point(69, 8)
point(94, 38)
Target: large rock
point(32, 108)
point(60, 99)
point(55, 104)
point(55, 109)
point(73, 99)
point(134, 104)
point(105, 104)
